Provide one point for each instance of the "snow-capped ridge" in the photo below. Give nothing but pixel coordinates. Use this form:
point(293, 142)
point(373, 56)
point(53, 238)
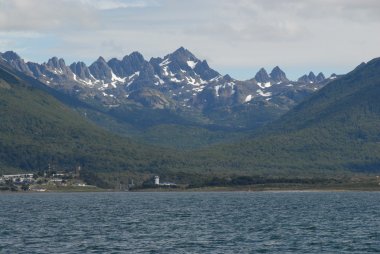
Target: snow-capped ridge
point(179, 76)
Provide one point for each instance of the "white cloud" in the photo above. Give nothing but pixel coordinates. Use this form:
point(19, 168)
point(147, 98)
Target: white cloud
point(229, 34)
point(44, 15)
point(116, 4)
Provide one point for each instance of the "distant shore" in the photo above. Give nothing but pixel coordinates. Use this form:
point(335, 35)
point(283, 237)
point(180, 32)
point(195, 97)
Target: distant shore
point(242, 188)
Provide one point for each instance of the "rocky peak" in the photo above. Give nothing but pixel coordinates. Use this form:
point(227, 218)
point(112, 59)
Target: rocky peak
point(58, 67)
point(135, 56)
point(277, 75)
point(16, 62)
point(204, 71)
point(183, 58)
point(55, 63)
point(262, 76)
point(228, 78)
point(304, 79)
point(320, 77)
point(100, 70)
point(81, 70)
point(10, 56)
point(101, 60)
point(183, 54)
point(144, 77)
point(129, 65)
point(311, 76)
point(133, 63)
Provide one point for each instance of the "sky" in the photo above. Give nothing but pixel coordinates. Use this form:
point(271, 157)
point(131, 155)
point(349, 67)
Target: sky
point(235, 37)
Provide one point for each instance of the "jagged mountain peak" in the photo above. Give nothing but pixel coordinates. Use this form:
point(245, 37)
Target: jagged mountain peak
point(56, 62)
point(100, 69)
point(53, 59)
point(10, 56)
point(184, 66)
point(182, 51)
point(129, 65)
point(320, 77)
point(311, 78)
point(303, 78)
point(333, 76)
point(228, 78)
point(276, 69)
point(262, 70)
point(81, 70)
point(16, 61)
point(262, 76)
point(311, 75)
point(101, 59)
point(81, 64)
point(135, 55)
point(181, 55)
point(277, 75)
point(203, 69)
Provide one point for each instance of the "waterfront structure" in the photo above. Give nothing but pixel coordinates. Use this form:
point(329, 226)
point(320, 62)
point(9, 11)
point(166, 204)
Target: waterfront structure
point(157, 180)
point(18, 177)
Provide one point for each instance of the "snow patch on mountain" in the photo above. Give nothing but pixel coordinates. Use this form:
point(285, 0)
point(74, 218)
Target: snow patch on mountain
point(165, 62)
point(191, 64)
point(175, 80)
point(260, 92)
point(116, 78)
point(217, 89)
point(159, 81)
point(88, 83)
point(198, 89)
point(165, 69)
point(193, 82)
point(264, 85)
point(57, 71)
point(224, 86)
point(217, 78)
point(248, 98)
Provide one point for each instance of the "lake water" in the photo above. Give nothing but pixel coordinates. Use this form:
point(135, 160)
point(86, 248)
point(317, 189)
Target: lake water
point(233, 222)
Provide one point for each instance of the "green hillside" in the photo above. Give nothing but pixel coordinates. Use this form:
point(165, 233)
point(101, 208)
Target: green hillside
point(36, 130)
point(336, 129)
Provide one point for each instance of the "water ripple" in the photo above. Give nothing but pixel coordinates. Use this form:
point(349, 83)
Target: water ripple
point(263, 222)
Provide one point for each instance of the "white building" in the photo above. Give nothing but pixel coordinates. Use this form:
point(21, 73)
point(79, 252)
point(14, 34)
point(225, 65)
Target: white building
point(157, 180)
point(18, 177)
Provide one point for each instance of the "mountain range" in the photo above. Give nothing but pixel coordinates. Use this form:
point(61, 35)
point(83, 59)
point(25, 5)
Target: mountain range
point(63, 117)
point(179, 83)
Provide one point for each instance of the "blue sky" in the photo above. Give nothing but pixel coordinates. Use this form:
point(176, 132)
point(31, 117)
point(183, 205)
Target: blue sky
point(236, 37)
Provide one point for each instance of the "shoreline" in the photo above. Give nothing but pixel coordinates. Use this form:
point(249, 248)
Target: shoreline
point(262, 190)
point(211, 189)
